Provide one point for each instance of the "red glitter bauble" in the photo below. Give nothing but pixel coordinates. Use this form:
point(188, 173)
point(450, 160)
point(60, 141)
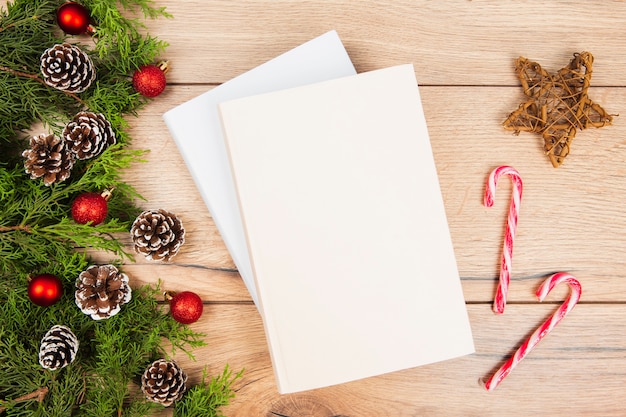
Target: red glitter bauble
point(90, 207)
point(149, 80)
point(186, 307)
point(45, 289)
point(73, 18)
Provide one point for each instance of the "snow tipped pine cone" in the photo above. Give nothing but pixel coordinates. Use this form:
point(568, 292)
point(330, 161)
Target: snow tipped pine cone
point(101, 291)
point(66, 67)
point(163, 382)
point(88, 134)
point(157, 234)
point(58, 348)
point(48, 157)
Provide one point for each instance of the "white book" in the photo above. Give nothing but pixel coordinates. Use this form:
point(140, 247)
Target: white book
point(196, 129)
point(346, 229)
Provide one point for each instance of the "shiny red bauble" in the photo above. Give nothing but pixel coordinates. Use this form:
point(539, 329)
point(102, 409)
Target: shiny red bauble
point(90, 207)
point(73, 18)
point(45, 289)
point(185, 307)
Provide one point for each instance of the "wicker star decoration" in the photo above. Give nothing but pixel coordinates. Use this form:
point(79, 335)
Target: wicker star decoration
point(557, 105)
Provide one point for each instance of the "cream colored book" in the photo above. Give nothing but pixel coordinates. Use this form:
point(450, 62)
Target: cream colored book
point(346, 229)
point(196, 129)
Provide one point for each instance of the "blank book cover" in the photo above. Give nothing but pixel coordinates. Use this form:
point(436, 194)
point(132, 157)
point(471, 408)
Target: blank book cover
point(346, 229)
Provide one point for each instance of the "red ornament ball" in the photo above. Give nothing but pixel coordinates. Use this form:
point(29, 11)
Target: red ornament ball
point(45, 289)
point(149, 80)
point(186, 307)
point(73, 18)
point(90, 207)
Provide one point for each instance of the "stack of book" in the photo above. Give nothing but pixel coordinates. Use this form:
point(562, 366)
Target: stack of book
point(323, 186)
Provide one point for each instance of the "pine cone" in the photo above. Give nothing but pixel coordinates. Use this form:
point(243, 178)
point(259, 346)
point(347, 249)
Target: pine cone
point(48, 157)
point(157, 234)
point(58, 348)
point(66, 67)
point(88, 134)
point(163, 382)
point(101, 291)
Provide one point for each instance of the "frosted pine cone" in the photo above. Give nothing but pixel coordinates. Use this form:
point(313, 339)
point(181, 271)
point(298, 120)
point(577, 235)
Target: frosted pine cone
point(157, 234)
point(66, 67)
point(101, 291)
point(163, 382)
point(48, 157)
point(58, 348)
point(88, 134)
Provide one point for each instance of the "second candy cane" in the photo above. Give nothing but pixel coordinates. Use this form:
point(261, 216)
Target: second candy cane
point(545, 328)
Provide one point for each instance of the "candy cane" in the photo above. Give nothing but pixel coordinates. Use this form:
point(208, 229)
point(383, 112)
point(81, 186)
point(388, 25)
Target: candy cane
point(511, 227)
point(545, 328)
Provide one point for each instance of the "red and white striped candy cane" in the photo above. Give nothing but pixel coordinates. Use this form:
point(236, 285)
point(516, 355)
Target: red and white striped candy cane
point(511, 227)
point(545, 328)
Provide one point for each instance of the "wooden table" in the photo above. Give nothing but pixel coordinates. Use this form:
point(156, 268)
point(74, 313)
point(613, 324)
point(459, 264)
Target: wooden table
point(572, 218)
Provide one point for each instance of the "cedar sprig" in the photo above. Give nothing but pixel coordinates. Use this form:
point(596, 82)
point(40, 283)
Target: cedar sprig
point(103, 379)
point(26, 29)
point(35, 229)
point(120, 46)
point(207, 398)
point(37, 235)
point(119, 355)
point(117, 34)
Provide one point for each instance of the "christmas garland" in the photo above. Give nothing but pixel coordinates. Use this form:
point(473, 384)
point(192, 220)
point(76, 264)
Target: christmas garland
point(65, 70)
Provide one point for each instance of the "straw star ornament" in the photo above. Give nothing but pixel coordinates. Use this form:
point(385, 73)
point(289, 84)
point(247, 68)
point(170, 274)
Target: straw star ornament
point(558, 105)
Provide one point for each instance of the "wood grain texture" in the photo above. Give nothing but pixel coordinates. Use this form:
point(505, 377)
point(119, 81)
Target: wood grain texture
point(569, 373)
point(457, 42)
point(572, 218)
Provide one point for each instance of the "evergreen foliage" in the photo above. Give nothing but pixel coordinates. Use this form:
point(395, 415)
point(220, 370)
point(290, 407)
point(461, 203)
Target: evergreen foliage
point(205, 400)
point(38, 236)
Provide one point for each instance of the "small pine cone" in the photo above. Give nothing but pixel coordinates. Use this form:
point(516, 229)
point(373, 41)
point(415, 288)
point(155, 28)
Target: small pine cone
point(157, 234)
point(88, 134)
point(163, 382)
point(58, 348)
point(48, 157)
point(66, 67)
point(101, 291)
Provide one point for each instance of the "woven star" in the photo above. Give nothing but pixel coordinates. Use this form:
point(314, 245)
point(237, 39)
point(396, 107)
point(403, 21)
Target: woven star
point(558, 105)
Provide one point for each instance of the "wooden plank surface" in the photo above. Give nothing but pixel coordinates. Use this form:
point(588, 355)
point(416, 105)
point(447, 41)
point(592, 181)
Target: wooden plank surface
point(572, 218)
point(576, 371)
